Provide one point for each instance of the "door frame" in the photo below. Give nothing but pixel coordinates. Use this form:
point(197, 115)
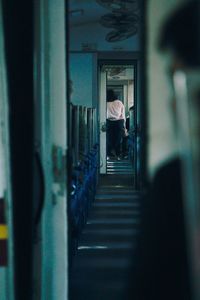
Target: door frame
point(134, 63)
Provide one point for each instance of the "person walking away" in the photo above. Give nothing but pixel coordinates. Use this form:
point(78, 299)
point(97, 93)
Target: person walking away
point(115, 124)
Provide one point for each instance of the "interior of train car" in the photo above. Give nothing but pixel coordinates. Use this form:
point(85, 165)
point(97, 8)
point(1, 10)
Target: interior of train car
point(99, 150)
point(103, 237)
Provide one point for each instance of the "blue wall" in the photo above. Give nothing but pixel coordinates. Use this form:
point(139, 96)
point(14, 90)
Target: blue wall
point(83, 77)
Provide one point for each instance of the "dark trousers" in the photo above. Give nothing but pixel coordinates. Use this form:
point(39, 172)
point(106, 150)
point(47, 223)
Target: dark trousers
point(114, 136)
point(125, 145)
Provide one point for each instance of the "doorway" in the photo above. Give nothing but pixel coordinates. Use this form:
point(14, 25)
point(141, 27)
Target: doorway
point(121, 77)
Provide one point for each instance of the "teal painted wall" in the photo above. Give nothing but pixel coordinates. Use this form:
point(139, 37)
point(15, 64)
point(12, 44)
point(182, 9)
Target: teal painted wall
point(82, 74)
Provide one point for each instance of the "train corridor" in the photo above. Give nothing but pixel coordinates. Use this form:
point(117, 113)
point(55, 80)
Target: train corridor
point(105, 256)
point(58, 59)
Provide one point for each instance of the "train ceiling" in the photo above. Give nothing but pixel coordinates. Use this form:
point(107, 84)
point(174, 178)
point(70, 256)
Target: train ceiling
point(119, 17)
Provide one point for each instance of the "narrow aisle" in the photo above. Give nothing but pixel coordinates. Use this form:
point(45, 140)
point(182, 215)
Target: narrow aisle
point(105, 257)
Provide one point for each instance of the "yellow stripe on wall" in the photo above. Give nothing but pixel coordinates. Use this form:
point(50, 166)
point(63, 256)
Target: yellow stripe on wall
point(3, 232)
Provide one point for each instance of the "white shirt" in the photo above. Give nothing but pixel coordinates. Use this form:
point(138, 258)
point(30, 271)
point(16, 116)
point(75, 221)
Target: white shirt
point(115, 110)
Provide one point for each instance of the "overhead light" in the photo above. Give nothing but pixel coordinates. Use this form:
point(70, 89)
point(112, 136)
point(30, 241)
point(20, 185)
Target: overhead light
point(110, 4)
point(115, 6)
point(115, 77)
point(119, 5)
point(118, 48)
point(76, 12)
point(88, 46)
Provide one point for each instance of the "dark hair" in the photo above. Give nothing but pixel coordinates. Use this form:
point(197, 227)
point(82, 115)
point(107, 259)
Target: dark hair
point(110, 96)
point(181, 33)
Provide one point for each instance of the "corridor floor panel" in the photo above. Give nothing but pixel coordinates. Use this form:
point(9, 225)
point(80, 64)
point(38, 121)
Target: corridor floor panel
point(105, 256)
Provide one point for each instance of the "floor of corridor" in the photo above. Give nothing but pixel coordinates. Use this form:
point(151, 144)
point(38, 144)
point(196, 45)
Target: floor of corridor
point(105, 260)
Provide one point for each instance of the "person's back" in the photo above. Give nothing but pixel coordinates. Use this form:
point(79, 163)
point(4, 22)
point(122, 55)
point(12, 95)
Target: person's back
point(115, 110)
point(115, 124)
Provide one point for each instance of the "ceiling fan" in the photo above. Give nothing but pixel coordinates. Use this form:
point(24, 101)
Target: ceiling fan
point(123, 19)
point(120, 35)
point(113, 71)
point(119, 21)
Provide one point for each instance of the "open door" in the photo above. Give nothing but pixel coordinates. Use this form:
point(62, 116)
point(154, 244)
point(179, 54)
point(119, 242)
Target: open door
point(102, 112)
point(122, 78)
